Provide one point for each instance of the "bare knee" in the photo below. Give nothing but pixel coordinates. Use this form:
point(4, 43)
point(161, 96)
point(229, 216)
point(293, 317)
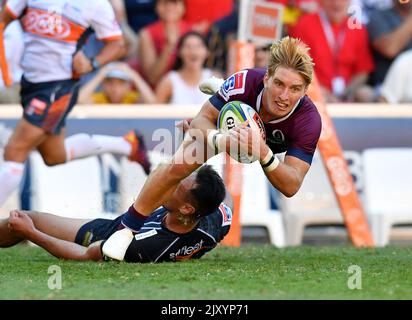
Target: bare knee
point(16, 152)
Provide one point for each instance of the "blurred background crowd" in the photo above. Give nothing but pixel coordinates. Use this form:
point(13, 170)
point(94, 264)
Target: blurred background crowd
point(362, 50)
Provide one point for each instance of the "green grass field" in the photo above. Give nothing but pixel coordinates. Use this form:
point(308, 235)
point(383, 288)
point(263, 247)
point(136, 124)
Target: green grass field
point(249, 272)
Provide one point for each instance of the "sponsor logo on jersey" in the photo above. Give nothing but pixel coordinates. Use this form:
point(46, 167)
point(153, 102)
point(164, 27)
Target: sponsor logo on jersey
point(51, 24)
point(186, 252)
point(145, 235)
point(233, 85)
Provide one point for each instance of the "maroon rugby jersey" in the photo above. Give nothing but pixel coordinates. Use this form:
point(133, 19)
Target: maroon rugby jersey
point(297, 134)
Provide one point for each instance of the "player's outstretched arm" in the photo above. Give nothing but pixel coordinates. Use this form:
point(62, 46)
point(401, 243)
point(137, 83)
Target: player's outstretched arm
point(191, 154)
point(22, 225)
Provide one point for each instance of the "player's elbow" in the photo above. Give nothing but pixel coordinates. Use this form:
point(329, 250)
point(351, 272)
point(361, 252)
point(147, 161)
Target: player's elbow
point(93, 258)
point(51, 161)
point(118, 47)
point(289, 193)
point(290, 190)
point(122, 49)
point(93, 253)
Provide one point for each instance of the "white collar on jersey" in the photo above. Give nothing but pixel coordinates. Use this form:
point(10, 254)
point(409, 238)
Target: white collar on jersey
point(259, 104)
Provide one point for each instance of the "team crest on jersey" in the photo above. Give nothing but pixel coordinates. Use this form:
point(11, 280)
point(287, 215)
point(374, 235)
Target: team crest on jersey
point(226, 215)
point(233, 85)
point(278, 137)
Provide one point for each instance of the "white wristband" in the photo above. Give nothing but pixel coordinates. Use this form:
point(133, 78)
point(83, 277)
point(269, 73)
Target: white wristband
point(270, 162)
point(267, 158)
point(272, 166)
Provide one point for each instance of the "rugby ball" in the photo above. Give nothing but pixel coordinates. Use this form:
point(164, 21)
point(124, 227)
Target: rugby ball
point(232, 115)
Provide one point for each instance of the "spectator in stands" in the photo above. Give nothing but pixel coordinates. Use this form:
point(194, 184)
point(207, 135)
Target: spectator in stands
point(203, 13)
point(364, 8)
point(157, 42)
point(92, 45)
point(307, 6)
point(140, 13)
point(220, 34)
point(181, 85)
point(293, 9)
point(397, 86)
point(14, 46)
point(117, 81)
point(390, 34)
point(341, 53)
point(130, 35)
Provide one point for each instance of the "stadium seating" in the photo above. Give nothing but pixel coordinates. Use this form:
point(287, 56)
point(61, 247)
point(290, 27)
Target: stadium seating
point(387, 190)
point(72, 189)
point(313, 204)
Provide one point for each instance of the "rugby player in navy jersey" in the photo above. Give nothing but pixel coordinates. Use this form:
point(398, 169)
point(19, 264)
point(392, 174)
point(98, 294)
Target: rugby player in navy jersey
point(189, 224)
point(292, 124)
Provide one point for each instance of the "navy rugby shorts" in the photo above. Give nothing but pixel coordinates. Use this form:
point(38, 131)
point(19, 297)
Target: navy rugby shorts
point(47, 104)
point(96, 230)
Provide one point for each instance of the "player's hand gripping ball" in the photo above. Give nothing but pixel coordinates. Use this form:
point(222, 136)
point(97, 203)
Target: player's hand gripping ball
point(232, 115)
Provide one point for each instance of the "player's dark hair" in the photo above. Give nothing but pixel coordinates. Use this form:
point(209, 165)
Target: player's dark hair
point(209, 191)
point(179, 61)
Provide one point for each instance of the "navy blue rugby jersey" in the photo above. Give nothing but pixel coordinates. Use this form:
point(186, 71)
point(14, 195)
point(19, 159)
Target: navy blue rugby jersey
point(155, 243)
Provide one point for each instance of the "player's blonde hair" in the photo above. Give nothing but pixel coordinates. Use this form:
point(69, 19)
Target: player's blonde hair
point(291, 53)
